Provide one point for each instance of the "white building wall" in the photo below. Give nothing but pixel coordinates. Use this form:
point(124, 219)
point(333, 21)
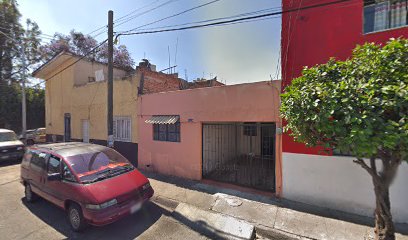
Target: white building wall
point(336, 182)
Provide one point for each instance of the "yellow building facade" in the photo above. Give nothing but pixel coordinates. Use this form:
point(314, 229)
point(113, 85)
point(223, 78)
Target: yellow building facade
point(76, 103)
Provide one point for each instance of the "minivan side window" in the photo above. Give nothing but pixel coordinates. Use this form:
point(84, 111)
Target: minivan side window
point(66, 174)
point(38, 159)
point(54, 165)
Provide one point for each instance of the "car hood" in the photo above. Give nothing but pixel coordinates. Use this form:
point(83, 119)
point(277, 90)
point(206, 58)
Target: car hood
point(110, 188)
point(11, 143)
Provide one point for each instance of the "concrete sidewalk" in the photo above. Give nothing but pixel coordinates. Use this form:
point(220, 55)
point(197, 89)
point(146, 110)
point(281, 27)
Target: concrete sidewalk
point(272, 218)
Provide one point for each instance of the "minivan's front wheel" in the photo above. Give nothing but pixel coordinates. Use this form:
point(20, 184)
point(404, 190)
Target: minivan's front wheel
point(30, 196)
point(76, 218)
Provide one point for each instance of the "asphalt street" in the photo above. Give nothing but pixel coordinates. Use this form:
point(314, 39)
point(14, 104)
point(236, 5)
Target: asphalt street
point(42, 220)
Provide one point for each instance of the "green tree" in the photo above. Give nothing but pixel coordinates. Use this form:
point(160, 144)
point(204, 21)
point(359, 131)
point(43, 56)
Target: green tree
point(80, 44)
point(14, 40)
point(359, 106)
point(10, 37)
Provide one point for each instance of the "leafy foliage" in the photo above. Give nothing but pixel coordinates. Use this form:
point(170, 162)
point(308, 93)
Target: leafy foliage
point(13, 40)
point(80, 44)
point(10, 107)
point(359, 105)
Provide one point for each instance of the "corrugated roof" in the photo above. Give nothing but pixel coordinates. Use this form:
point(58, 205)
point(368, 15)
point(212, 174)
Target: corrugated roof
point(163, 119)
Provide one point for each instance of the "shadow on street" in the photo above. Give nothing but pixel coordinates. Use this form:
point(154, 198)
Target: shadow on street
point(126, 228)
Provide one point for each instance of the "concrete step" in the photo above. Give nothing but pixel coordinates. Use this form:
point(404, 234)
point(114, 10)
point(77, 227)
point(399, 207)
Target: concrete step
point(212, 224)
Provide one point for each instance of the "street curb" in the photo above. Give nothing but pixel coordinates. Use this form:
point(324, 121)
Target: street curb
point(272, 233)
point(166, 202)
point(214, 224)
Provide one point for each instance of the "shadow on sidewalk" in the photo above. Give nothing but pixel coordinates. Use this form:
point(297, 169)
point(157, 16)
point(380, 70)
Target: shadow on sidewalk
point(297, 206)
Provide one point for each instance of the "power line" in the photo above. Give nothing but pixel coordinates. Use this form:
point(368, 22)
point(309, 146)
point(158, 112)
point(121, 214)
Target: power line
point(211, 20)
point(143, 13)
point(45, 36)
point(134, 11)
point(70, 65)
point(233, 20)
point(79, 59)
point(174, 15)
point(123, 19)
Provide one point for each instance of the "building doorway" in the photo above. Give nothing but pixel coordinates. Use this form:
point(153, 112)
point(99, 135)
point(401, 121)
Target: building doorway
point(67, 127)
point(240, 153)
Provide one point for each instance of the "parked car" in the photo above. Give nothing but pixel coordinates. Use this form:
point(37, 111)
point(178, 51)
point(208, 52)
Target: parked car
point(34, 136)
point(10, 147)
point(92, 183)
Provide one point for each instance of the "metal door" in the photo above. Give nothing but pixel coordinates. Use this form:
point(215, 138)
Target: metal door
point(240, 153)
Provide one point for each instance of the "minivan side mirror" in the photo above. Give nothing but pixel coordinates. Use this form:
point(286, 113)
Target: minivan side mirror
point(54, 177)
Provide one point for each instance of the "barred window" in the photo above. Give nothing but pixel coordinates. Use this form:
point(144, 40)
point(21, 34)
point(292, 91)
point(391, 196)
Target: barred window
point(166, 132)
point(122, 128)
point(384, 14)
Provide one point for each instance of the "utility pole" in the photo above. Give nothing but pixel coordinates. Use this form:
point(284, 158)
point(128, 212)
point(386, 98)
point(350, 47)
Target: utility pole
point(110, 78)
point(23, 94)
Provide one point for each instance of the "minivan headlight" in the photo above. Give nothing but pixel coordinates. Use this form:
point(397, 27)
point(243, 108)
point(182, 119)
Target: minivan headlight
point(101, 206)
point(20, 148)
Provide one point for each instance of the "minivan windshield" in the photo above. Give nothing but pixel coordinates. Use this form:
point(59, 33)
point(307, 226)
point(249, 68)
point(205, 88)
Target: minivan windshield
point(95, 166)
point(7, 136)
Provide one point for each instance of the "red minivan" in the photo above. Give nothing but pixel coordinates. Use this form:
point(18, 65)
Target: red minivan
point(94, 184)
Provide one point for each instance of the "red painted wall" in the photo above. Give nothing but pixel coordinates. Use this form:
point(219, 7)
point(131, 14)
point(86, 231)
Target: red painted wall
point(312, 36)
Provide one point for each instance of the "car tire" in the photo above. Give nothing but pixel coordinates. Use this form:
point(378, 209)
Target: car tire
point(30, 196)
point(30, 142)
point(76, 218)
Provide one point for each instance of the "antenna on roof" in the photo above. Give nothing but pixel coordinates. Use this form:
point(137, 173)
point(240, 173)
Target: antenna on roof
point(175, 55)
point(168, 49)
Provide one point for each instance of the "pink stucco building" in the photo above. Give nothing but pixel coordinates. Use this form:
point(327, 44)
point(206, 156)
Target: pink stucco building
point(226, 133)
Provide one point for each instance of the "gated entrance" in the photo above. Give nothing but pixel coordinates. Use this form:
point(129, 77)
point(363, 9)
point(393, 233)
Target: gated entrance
point(240, 153)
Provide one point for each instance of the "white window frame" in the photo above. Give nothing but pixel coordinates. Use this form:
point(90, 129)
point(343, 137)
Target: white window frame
point(122, 128)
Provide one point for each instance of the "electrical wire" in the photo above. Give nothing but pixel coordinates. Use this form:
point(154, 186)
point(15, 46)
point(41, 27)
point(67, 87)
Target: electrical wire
point(214, 19)
point(143, 13)
point(290, 37)
point(70, 65)
point(175, 15)
point(220, 23)
point(125, 33)
point(42, 36)
point(79, 59)
point(122, 20)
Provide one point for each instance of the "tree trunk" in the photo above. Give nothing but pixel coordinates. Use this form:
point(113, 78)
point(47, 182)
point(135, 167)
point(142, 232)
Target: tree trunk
point(384, 227)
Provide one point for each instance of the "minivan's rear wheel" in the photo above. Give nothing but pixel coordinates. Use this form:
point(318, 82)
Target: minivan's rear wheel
point(76, 218)
point(30, 196)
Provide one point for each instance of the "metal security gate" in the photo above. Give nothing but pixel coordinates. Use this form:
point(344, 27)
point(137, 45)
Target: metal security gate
point(240, 153)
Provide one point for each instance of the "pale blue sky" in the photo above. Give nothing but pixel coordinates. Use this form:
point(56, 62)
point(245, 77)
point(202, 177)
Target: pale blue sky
point(238, 53)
